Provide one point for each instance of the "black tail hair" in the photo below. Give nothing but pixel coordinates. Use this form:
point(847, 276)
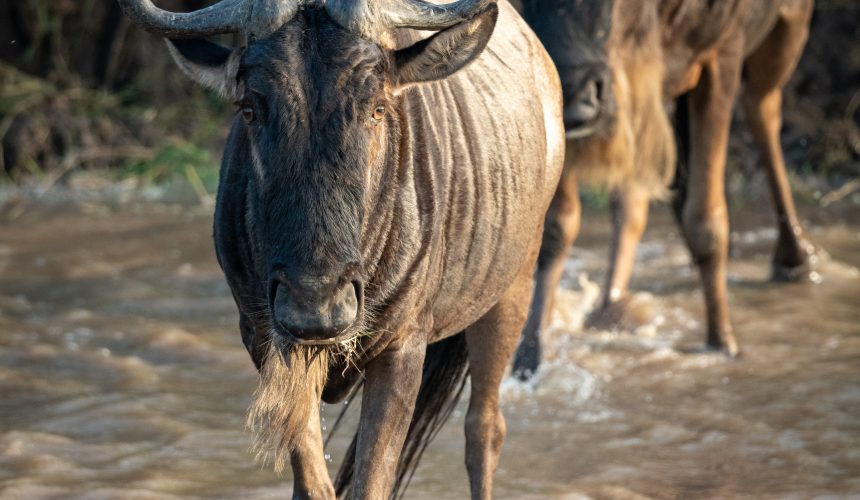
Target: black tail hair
point(682, 169)
point(442, 381)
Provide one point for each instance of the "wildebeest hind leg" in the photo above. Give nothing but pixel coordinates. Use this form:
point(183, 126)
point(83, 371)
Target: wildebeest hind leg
point(490, 343)
point(561, 226)
point(766, 72)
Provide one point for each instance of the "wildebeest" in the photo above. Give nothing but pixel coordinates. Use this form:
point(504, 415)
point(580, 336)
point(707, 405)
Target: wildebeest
point(379, 214)
point(621, 62)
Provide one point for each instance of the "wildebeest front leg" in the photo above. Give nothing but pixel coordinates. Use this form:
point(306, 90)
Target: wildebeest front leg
point(561, 226)
point(766, 72)
point(705, 216)
point(629, 216)
point(310, 474)
point(391, 385)
point(490, 343)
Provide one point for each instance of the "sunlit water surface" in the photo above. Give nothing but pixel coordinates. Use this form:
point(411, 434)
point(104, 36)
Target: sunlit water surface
point(122, 374)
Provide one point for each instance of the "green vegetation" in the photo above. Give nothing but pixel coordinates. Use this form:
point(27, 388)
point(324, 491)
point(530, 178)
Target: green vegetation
point(181, 161)
point(49, 130)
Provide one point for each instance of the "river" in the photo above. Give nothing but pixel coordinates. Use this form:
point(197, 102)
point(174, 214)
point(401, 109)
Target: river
point(123, 376)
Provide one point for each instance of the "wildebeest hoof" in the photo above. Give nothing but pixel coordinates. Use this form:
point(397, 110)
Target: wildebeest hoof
point(526, 362)
point(722, 340)
point(805, 272)
point(796, 274)
point(798, 265)
point(731, 350)
point(608, 316)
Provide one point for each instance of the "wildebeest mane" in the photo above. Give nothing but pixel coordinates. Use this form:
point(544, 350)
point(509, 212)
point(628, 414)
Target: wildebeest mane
point(640, 149)
point(699, 23)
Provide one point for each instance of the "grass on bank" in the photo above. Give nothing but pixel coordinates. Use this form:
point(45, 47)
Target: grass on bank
point(48, 131)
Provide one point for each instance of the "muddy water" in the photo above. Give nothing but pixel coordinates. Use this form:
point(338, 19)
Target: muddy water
point(122, 374)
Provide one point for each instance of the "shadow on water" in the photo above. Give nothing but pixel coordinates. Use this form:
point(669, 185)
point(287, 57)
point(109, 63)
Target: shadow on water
point(123, 375)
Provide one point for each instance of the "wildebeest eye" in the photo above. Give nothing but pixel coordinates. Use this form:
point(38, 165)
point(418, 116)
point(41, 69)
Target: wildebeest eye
point(379, 113)
point(247, 113)
point(246, 107)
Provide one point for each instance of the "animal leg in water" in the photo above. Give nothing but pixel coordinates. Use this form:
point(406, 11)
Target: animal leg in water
point(310, 474)
point(705, 216)
point(629, 216)
point(391, 386)
point(766, 71)
point(561, 226)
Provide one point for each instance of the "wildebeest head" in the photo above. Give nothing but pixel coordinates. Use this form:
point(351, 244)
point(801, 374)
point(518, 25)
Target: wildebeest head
point(576, 33)
point(317, 110)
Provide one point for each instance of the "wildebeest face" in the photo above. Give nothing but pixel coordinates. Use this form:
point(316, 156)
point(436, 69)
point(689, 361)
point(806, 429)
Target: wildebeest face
point(576, 33)
point(317, 106)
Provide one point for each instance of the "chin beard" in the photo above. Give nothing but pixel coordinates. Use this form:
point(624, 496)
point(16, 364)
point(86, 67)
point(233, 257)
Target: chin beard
point(292, 378)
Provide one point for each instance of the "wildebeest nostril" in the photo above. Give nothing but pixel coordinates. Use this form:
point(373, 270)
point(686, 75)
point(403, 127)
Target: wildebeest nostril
point(358, 286)
point(344, 306)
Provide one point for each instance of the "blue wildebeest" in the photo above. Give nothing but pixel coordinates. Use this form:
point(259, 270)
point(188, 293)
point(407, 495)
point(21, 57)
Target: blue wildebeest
point(380, 207)
point(621, 62)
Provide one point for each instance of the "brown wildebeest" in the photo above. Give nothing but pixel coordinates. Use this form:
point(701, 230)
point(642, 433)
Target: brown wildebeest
point(620, 62)
point(379, 215)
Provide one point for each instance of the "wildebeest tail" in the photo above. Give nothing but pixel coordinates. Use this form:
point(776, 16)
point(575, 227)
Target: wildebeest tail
point(442, 381)
point(682, 139)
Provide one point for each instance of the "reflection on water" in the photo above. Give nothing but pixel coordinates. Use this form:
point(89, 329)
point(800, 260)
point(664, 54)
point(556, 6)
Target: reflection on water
point(123, 376)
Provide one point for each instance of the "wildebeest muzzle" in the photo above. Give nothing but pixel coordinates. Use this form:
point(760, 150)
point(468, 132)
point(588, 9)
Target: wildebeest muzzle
point(587, 99)
point(316, 308)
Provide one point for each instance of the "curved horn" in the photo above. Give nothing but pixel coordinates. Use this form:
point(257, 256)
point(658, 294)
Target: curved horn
point(255, 18)
point(224, 17)
point(373, 17)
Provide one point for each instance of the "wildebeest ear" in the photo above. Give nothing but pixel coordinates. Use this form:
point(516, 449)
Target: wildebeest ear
point(447, 51)
point(208, 64)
